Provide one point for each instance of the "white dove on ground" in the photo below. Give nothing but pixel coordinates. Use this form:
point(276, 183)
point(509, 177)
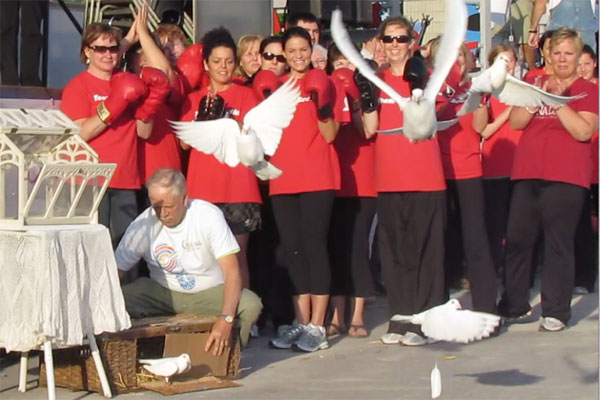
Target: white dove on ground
point(259, 135)
point(508, 89)
point(420, 121)
point(436, 382)
point(449, 322)
point(167, 367)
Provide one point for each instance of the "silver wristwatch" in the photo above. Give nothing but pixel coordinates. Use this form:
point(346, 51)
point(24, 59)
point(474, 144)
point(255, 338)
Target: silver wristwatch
point(227, 318)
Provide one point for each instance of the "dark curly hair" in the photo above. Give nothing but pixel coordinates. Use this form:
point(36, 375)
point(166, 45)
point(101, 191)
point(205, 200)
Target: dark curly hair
point(218, 37)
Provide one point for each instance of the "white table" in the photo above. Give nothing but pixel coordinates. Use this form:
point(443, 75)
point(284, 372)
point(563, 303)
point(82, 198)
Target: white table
point(58, 285)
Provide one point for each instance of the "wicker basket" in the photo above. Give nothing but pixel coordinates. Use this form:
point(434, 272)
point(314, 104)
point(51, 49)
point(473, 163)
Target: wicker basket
point(74, 367)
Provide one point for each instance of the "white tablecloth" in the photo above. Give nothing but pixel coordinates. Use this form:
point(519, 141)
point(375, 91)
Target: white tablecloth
point(58, 282)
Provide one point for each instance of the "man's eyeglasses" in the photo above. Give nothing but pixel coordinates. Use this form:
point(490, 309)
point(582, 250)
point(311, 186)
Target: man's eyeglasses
point(269, 56)
point(103, 49)
point(400, 39)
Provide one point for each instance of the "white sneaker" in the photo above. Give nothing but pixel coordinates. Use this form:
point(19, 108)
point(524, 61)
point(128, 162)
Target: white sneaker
point(254, 331)
point(286, 337)
point(312, 339)
point(550, 324)
point(391, 338)
point(580, 290)
point(413, 339)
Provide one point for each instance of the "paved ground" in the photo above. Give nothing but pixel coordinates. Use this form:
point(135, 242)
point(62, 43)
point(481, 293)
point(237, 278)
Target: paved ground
point(521, 363)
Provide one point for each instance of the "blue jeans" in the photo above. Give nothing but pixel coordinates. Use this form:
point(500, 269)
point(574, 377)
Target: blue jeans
point(576, 14)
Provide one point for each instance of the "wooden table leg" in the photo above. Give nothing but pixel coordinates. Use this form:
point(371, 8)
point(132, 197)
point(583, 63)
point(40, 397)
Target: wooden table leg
point(99, 366)
point(49, 370)
point(23, 371)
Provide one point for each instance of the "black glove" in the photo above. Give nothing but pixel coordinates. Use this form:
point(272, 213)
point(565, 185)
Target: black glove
point(415, 72)
point(212, 106)
point(369, 93)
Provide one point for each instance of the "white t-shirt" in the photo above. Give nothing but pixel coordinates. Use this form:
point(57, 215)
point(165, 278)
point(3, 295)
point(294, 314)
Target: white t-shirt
point(183, 258)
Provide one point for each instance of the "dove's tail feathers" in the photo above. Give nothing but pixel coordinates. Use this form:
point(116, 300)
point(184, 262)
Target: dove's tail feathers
point(401, 318)
point(264, 170)
point(436, 382)
point(453, 36)
point(471, 104)
point(443, 125)
point(147, 361)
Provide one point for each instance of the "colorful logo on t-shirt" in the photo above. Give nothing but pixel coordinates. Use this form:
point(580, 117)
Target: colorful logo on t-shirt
point(168, 259)
point(166, 256)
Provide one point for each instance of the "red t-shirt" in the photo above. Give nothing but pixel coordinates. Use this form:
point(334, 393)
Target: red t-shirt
point(498, 151)
point(118, 142)
point(209, 179)
point(401, 166)
point(308, 162)
point(547, 151)
point(531, 74)
point(357, 163)
point(595, 158)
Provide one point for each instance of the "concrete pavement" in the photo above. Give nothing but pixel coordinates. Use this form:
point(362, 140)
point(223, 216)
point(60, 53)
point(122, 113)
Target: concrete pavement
point(521, 363)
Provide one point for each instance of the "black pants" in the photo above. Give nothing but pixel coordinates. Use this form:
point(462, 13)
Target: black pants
point(555, 208)
point(467, 194)
point(586, 245)
point(411, 246)
point(303, 221)
point(350, 227)
point(117, 210)
point(497, 193)
point(32, 14)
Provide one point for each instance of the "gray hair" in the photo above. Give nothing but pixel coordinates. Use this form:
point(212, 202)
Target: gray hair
point(169, 178)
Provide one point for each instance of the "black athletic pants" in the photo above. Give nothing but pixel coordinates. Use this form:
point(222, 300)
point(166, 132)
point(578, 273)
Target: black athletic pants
point(117, 210)
point(350, 227)
point(411, 246)
point(468, 195)
point(497, 193)
point(303, 221)
point(555, 208)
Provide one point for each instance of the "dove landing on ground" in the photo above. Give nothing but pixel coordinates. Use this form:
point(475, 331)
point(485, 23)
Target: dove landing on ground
point(420, 121)
point(509, 90)
point(260, 133)
point(450, 323)
point(168, 367)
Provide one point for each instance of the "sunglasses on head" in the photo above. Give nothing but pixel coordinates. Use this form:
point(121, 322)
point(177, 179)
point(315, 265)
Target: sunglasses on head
point(104, 49)
point(269, 56)
point(400, 39)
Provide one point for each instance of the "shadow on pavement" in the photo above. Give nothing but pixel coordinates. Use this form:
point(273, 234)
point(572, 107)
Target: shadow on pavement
point(507, 377)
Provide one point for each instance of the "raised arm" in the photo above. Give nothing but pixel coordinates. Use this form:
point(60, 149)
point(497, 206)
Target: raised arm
point(539, 9)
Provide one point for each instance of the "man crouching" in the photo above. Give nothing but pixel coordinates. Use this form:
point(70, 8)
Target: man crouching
point(191, 256)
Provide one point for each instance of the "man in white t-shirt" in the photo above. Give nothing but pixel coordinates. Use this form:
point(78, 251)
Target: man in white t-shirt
point(191, 256)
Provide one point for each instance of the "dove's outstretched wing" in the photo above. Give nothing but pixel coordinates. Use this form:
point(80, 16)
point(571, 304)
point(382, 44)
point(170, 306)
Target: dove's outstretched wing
point(344, 43)
point(441, 125)
point(461, 326)
point(272, 115)
point(216, 137)
point(518, 93)
point(453, 37)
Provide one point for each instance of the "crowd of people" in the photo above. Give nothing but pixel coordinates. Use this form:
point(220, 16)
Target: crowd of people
point(470, 207)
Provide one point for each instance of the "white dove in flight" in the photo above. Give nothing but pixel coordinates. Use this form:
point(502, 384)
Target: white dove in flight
point(449, 322)
point(167, 367)
point(420, 121)
point(508, 89)
point(259, 135)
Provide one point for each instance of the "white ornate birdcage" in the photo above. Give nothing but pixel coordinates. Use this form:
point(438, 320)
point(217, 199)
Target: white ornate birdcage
point(48, 174)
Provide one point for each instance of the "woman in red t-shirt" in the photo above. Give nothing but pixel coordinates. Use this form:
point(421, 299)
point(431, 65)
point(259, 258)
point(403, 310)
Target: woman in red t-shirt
point(233, 190)
point(461, 159)
point(302, 196)
point(411, 197)
point(552, 173)
point(353, 209)
point(490, 120)
point(103, 103)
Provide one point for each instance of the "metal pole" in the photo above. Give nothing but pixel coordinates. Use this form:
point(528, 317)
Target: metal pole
point(485, 30)
point(71, 17)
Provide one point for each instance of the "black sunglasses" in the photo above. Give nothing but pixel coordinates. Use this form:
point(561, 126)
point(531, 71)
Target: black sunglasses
point(269, 56)
point(400, 39)
point(104, 49)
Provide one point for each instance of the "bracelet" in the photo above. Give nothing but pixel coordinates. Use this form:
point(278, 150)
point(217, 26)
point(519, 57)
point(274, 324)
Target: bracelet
point(533, 31)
